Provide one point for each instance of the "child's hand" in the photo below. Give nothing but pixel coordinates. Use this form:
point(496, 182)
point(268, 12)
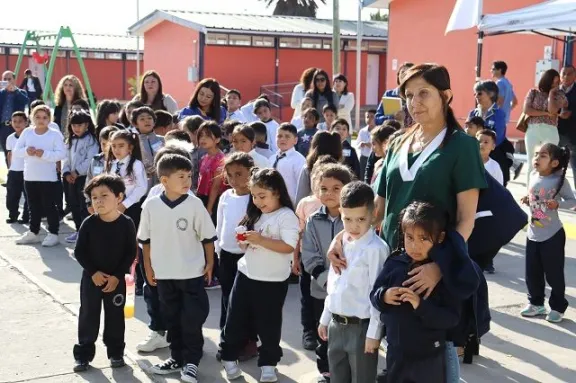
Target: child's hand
point(208, 272)
point(524, 200)
point(30, 150)
point(74, 174)
point(69, 179)
point(323, 332)
point(296, 267)
point(99, 278)
point(552, 204)
point(253, 237)
point(150, 276)
point(371, 346)
point(410, 297)
point(38, 153)
point(392, 296)
point(111, 285)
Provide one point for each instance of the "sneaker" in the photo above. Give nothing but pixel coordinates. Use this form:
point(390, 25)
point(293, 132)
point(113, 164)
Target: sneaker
point(24, 221)
point(153, 342)
point(51, 240)
point(489, 269)
point(232, 370)
point(518, 170)
point(532, 311)
point(28, 239)
point(117, 362)
point(324, 378)
point(268, 374)
point(382, 376)
point(167, 367)
point(189, 373)
point(80, 366)
point(72, 238)
point(309, 341)
point(139, 291)
point(250, 351)
point(11, 221)
point(214, 284)
point(554, 316)
point(69, 217)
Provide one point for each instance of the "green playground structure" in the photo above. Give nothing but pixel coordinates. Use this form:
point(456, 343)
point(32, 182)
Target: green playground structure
point(34, 39)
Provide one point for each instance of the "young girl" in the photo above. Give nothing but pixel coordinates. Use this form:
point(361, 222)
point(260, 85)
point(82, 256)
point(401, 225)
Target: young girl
point(244, 140)
point(416, 329)
point(98, 162)
point(41, 148)
point(210, 179)
point(546, 238)
point(261, 283)
point(125, 160)
point(82, 147)
point(107, 114)
point(380, 137)
point(126, 114)
point(298, 122)
point(191, 125)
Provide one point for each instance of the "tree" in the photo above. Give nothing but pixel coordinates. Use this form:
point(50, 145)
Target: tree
point(379, 16)
point(306, 8)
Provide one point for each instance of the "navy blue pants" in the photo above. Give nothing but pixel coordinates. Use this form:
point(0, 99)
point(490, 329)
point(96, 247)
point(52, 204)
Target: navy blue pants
point(15, 190)
point(151, 298)
point(545, 260)
point(77, 201)
point(428, 369)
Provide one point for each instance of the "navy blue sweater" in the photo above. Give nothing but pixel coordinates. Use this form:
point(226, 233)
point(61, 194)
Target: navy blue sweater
point(414, 332)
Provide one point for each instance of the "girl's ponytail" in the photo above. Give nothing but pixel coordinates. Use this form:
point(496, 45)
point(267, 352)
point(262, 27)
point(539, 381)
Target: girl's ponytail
point(564, 160)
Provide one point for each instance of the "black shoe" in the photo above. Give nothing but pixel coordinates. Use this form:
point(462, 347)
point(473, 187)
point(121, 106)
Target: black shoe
point(80, 366)
point(309, 341)
point(518, 170)
point(490, 269)
point(11, 220)
point(381, 377)
point(189, 373)
point(167, 367)
point(117, 362)
point(23, 221)
point(4, 185)
point(139, 291)
point(219, 355)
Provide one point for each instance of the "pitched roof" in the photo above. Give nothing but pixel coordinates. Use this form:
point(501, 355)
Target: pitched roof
point(85, 41)
point(258, 24)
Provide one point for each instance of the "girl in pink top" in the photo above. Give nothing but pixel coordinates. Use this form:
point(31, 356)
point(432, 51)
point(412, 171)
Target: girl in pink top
point(210, 181)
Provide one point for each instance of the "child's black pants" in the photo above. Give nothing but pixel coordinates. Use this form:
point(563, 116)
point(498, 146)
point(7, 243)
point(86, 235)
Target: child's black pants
point(77, 201)
point(42, 200)
point(421, 369)
point(15, 189)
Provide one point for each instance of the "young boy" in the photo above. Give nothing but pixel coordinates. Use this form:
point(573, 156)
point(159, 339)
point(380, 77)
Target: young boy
point(487, 140)
point(264, 113)
point(287, 160)
point(364, 140)
point(164, 122)
point(15, 181)
point(191, 125)
point(473, 125)
point(330, 113)
point(321, 227)
point(261, 134)
point(311, 118)
point(106, 247)
point(233, 103)
point(144, 119)
point(178, 237)
point(355, 327)
point(341, 127)
point(98, 161)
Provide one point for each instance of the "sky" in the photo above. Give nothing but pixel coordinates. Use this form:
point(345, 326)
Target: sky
point(115, 16)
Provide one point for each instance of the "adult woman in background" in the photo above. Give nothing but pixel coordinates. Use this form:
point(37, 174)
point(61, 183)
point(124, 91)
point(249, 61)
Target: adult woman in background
point(205, 102)
point(346, 98)
point(152, 95)
point(300, 90)
point(321, 92)
point(68, 90)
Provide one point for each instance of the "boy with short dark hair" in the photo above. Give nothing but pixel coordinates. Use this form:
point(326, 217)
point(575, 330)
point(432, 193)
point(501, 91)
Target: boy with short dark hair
point(349, 155)
point(364, 140)
point(191, 125)
point(355, 327)
point(15, 181)
point(178, 237)
point(178, 135)
point(311, 118)
point(164, 122)
point(106, 248)
point(233, 104)
point(473, 125)
point(261, 134)
point(487, 140)
point(287, 160)
point(264, 112)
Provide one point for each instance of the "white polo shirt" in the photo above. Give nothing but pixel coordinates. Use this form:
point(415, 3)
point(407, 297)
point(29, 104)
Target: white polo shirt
point(289, 167)
point(16, 163)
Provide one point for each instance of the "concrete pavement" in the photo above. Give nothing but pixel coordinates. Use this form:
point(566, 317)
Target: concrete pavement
point(40, 298)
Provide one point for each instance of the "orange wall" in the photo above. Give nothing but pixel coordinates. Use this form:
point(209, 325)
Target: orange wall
point(426, 42)
point(170, 50)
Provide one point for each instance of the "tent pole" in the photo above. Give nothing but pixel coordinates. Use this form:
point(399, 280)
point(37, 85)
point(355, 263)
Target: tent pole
point(479, 55)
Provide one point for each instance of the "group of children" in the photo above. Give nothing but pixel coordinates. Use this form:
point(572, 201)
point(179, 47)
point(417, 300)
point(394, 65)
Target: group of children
point(209, 202)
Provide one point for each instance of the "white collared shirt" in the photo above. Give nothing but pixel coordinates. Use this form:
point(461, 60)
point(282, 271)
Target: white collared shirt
point(16, 163)
point(289, 167)
point(349, 292)
point(364, 137)
point(494, 169)
point(136, 184)
point(238, 116)
point(271, 129)
point(260, 161)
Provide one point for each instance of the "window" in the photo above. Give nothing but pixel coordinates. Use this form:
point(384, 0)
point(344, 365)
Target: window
point(15, 51)
point(326, 44)
point(82, 54)
point(96, 55)
point(312, 43)
point(379, 46)
point(352, 45)
point(240, 40)
point(217, 39)
point(262, 41)
point(133, 56)
point(289, 42)
point(2, 50)
point(114, 56)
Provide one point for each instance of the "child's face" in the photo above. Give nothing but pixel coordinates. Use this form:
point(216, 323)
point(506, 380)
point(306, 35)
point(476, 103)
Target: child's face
point(310, 121)
point(306, 104)
point(329, 117)
point(379, 148)
point(121, 148)
point(342, 130)
point(41, 119)
point(487, 144)
point(145, 123)
point(207, 141)
point(266, 200)
point(18, 124)
point(418, 242)
point(329, 192)
point(264, 114)
point(542, 162)
point(113, 118)
point(79, 129)
point(233, 102)
point(285, 140)
point(241, 143)
point(369, 118)
point(178, 182)
point(237, 176)
point(205, 97)
point(472, 129)
point(104, 201)
point(357, 221)
point(104, 145)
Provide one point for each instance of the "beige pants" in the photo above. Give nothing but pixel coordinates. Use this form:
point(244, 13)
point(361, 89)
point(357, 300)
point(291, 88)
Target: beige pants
point(537, 135)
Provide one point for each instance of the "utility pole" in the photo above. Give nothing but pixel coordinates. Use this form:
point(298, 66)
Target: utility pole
point(335, 37)
point(137, 46)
